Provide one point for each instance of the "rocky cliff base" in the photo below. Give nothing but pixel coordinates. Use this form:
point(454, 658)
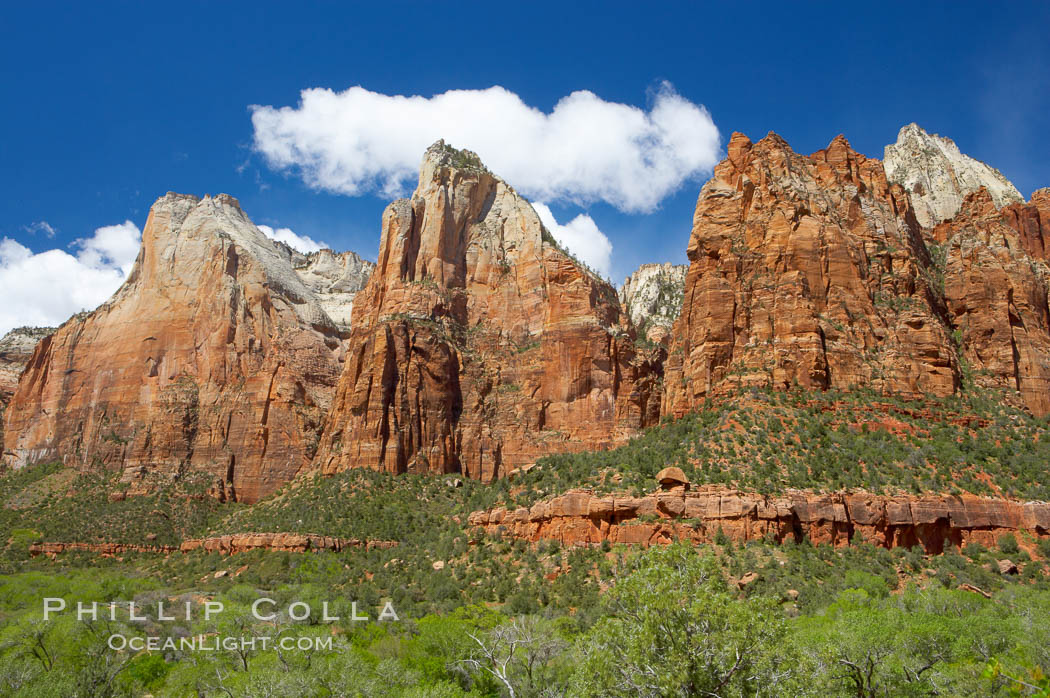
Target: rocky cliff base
point(933, 522)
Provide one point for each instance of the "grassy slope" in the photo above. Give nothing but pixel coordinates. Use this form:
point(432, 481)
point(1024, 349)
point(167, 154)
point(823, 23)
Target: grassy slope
point(760, 441)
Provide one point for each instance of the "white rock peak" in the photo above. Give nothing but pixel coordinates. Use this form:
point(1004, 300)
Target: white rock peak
point(652, 295)
point(335, 277)
point(937, 176)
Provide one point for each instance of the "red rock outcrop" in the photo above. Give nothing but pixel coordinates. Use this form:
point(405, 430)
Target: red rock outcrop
point(807, 271)
point(478, 344)
point(932, 522)
point(227, 545)
point(995, 284)
point(212, 357)
point(813, 271)
point(284, 542)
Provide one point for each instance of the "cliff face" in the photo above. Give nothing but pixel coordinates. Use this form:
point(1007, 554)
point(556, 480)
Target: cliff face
point(478, 345)
point(652, 298)
point(933, 522)
point(334, 277)
point(996, 280)
point(808, 271)
point(16, 347)
point(213, 356)
point(938, 177)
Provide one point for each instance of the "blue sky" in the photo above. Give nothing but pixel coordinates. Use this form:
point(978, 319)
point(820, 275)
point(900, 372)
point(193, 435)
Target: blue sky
point(108, 106)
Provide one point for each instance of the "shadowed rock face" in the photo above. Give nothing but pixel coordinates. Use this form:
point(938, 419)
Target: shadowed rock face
point(213, 356)
point(477, 344)
point(933, 522)
point(807, 271)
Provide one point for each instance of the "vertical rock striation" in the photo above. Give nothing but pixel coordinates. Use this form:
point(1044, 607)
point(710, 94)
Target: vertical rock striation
point(814, 271)
point(16, 347)
point(808, 271)
point(477, 344)
point(213, 357)
point(996, 281)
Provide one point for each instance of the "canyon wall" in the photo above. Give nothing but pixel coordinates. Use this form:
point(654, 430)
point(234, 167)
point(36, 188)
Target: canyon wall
point(813, 271)
point(213, 357)
point(478, 344)
point(16, 348)
point(810, 272)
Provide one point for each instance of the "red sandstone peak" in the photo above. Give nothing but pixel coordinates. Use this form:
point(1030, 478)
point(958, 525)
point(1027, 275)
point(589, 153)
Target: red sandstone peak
point(478, 344)
point(213, 356)
point(815, 271)
point(806, 271)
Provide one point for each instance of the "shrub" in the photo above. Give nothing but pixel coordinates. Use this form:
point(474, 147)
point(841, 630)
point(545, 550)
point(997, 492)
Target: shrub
point(1008, 544)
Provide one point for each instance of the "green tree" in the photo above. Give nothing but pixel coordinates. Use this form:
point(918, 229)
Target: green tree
point(673, 628)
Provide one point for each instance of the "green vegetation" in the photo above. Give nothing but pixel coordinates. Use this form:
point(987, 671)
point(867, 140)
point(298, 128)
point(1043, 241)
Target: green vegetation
point(59, 504)
point(488, 615)
point(462, 159)
point(815, 621)
point(769, 441)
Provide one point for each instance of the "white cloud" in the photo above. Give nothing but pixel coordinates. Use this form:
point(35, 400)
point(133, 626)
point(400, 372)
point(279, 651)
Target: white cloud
point(302, 243)
point(40, 227)
point(583, 151)
point(46, 288)
point(581, 237)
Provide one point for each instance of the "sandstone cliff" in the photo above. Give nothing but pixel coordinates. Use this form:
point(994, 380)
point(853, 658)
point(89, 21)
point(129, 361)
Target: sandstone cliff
point(16, 347)
point(932, 521)
point(477, 344)
point(808, 271)
point(996, 282)
point(937, 176)
point(652, 298)
point(212, 357)
point(334, 277)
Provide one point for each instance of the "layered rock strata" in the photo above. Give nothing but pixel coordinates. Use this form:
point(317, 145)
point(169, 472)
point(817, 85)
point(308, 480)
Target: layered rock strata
point(285, 542)
point(478, 344)
point(213, 357)
point(932, 522)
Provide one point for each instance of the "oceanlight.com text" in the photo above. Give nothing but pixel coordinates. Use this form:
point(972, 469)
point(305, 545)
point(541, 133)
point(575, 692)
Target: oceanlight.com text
point(216, 643)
